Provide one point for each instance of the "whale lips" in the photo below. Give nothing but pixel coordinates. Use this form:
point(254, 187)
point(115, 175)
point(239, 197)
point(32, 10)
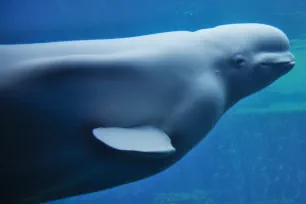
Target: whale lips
point(289, 64)
point(283, 64)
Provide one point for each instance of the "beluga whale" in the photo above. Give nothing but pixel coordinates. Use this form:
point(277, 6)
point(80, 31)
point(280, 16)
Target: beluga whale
point(82, 116)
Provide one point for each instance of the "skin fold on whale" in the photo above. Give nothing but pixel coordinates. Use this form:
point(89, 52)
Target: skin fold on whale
point(82, 116)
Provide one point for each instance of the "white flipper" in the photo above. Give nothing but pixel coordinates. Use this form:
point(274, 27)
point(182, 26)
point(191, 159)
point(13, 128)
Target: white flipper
point(141, 139)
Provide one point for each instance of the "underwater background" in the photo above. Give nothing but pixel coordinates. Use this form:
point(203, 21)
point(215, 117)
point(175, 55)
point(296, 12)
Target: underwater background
point(257, 152)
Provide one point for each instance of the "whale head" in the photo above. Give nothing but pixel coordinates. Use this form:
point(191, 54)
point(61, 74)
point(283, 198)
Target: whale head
point(250, 57)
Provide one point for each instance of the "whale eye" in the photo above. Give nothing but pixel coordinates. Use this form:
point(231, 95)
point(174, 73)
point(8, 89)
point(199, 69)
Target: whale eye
point(239, 61)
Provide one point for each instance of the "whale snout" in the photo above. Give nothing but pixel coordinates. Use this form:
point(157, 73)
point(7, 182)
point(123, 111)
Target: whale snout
point(280, 62)
point(286, 65)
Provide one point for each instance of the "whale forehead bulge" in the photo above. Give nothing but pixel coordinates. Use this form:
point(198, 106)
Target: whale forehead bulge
point(257, 37)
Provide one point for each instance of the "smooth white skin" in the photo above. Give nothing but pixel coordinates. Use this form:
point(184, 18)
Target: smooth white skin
point(179, 82)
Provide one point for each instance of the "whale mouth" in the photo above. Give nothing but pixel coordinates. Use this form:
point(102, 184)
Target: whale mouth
point(278, 62)
point(282, 66)
point(281, 63)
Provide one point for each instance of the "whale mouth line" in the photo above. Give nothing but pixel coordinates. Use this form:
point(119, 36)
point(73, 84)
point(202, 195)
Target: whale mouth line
point(282, 65)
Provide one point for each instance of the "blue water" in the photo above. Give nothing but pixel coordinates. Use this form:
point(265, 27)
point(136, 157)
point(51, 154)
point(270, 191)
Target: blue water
point(248, 158)
point(34, 20)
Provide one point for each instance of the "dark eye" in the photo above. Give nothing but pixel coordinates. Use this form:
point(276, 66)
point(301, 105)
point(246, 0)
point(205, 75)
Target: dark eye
point(239, 61)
